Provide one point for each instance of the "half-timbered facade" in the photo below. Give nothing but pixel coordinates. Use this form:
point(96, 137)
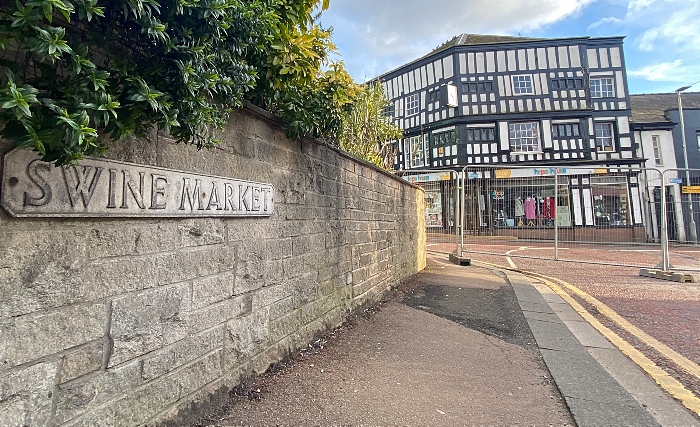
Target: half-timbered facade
point(497, 101)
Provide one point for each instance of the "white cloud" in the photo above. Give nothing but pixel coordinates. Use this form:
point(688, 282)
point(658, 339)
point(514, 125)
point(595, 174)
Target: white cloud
point(662, 72)
point(605, 21)
point(399, 31)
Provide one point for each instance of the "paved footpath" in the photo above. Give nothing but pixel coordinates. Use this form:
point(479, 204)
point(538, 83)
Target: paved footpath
point(458, 346)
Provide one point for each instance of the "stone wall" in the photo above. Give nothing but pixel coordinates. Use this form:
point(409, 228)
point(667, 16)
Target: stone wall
point(118, 321)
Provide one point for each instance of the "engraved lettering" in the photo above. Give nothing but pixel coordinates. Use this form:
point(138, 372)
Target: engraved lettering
point(158, 185)
point(76, 183)
point(112, 190)
point(243, 198)
point(214, 197)
point(137, 194)
point(38, 180)
point(193, 195)
point(229, 197)
point(256, 199)
point(266, 199)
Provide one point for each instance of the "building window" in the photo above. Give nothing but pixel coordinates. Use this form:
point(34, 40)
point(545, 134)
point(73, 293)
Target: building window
point(481, 134)
point(560, 84)
point(477, 87)
point(524, 137)
point(445, 137)
point(656, 148)
point(415, 151)
point(602, 88)
point(388, 111)
point(412, 105)
point(566, 130)
point(522, 85)
point(604, 137)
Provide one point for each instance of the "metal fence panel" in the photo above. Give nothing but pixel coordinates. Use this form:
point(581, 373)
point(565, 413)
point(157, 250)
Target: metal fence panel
point(597, 215)
point(442, 195)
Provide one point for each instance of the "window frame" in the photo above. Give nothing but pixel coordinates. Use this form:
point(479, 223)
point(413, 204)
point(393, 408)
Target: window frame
point(410, 143)
point(526, 127)
point(600, 145)
point(656, 150)
point(601, 91)
point(518, 89)
point(412, 104)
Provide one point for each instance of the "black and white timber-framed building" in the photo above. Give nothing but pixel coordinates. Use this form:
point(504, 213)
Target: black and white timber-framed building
point(497, 101)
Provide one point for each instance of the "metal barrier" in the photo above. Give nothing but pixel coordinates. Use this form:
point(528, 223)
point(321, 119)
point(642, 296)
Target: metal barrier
point(442, 193)
point(593, 215)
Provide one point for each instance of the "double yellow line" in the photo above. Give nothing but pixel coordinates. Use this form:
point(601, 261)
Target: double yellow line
point(662, 378)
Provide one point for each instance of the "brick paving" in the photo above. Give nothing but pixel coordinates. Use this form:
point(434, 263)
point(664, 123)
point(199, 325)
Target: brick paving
point(668, 311)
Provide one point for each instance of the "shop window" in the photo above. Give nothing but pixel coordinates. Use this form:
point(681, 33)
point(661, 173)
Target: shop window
point(415, 151)
point(610, 201)
point(656, 148)
point(481, 134)
point(566, 130)
point(529, 202)
point(433, 205)
point(524, 137)
point(604, 137)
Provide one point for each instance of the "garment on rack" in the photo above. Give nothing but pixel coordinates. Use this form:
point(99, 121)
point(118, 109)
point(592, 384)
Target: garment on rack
point(530, 208)
point(519, 207)
point(552, 208)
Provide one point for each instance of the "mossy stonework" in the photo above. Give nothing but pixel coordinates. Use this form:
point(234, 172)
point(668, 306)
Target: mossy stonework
point(151, 320)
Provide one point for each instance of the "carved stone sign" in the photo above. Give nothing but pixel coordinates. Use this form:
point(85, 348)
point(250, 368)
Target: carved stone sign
point(99, 187)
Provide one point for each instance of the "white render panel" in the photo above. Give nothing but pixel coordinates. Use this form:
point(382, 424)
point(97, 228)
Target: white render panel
point(545, 85)
point(531, 63)
point(501, 60)
point(619, 84)
point(448, 66)
point(438, 70)
point(604, 62)
point(541, 58)
point(490, 62)
point(588, 205)
point(423, 77)
point(480, 63)
point(615, 59)
point(592, 58)
point(636, 205)
point(522, 60)
point(470, 63)
point(503, 106)
point(404, 81)
point(625, 142)
point(512, 65)
point(538, 104)
point(547, 133)
point(411, 81)
point(575, 56)
point(537, 87)
point(623, 124)
point(462, 63)
point(520, 105)
point(563, 56)
point(626, 154)
point(511, 105)
point(507, 83)
point(552, 56)
point(503, 135)
point(431, 74)
point(528, 104)
point(547, 104)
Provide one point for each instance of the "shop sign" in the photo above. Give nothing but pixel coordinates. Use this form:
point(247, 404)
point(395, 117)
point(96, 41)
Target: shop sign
point(427, 177)
point(473, 175)
point(690, 189)
point(107, 188)
point(503, 173)
point(676, 180)
point(550, 171)
point(600, 171)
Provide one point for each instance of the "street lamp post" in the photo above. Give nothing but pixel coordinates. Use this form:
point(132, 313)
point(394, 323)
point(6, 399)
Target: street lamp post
point(693, 229)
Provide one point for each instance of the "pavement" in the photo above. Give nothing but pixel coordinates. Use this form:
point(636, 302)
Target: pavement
point(459, 346)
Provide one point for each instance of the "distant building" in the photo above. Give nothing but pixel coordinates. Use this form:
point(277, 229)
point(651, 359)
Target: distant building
point(493, 102)
point(656, 126)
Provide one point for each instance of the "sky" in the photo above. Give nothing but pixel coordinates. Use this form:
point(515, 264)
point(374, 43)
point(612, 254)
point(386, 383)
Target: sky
point(662, 44)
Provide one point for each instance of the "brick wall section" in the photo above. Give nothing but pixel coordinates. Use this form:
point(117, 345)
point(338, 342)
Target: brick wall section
point(129, 322)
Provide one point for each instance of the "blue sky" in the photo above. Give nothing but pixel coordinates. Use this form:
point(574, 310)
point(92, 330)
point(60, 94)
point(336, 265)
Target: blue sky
point(662, 45)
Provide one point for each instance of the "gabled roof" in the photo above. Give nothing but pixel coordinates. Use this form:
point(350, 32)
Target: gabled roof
point(476, 39)
point(651, 108)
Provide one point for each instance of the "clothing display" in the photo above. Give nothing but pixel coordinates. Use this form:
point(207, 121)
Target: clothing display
point(519, 207)
point(530, 208)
